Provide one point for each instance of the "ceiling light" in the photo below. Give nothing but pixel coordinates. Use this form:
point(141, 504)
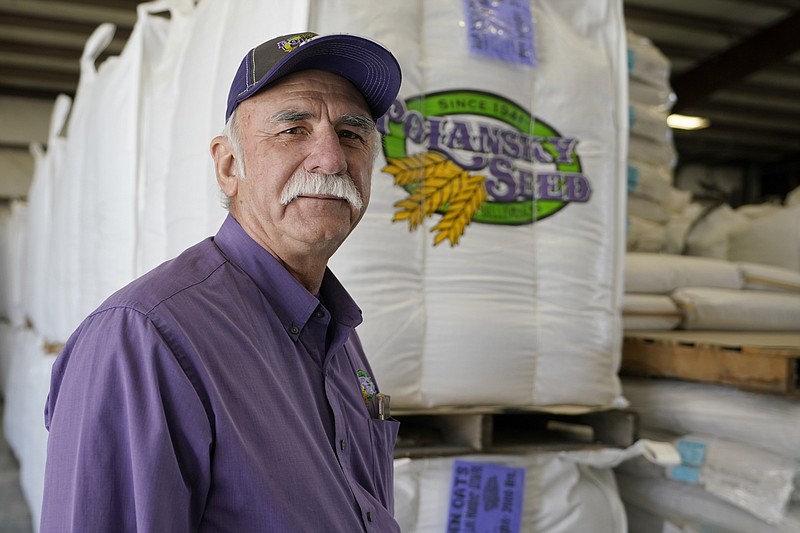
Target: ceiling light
point(684, 122)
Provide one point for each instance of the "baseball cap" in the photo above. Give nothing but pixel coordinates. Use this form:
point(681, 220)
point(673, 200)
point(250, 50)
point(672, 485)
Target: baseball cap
point(368, 65)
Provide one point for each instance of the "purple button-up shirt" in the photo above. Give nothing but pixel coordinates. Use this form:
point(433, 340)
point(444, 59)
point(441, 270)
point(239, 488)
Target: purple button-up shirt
point(217, 394)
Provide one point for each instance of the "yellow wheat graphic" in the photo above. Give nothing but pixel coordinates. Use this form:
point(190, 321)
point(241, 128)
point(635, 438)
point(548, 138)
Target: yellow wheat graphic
point(436, 184)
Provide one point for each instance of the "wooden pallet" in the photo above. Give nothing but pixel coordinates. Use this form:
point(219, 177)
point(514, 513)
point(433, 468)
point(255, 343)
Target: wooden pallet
point(757, 361)
point(459, 431)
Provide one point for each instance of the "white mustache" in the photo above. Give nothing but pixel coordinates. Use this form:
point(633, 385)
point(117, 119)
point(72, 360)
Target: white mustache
point(303, 183)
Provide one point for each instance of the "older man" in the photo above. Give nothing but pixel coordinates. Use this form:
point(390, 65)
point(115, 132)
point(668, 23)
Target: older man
point(226, 390)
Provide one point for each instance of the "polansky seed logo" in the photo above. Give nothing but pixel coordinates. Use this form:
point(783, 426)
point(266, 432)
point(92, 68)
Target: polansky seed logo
point(472, 156)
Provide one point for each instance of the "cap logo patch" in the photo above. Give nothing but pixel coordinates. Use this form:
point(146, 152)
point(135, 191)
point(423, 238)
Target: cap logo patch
point(290, 44)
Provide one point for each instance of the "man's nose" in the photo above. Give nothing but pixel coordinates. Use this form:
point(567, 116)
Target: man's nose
point(327, 155)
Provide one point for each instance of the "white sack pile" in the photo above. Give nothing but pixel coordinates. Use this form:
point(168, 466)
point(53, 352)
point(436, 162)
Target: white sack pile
point(664, 291)
point(658, 214)
point(752, 479)
point(739, 457)
point(755, 233)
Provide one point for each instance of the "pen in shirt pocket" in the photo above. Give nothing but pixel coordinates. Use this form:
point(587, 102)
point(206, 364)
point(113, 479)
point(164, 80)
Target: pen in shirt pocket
point(383, 405)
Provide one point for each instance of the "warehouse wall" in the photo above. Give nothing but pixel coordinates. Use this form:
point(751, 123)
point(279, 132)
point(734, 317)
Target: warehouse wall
point(22, 120)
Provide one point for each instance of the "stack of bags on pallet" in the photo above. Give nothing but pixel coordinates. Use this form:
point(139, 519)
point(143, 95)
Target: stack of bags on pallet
point(664, 292)
point(659, 214)
point(740, 463)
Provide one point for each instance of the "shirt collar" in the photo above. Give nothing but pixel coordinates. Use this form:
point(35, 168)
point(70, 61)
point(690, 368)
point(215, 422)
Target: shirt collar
point(292, 302)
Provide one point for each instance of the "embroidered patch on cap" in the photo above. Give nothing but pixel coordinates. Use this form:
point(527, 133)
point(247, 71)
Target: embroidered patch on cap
point(367, 386)
point(287, 45)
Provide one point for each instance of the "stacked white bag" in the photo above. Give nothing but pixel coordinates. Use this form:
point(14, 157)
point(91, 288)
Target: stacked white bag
point(667, 291)
point(740, 460)
point(37, 255)
point(523, 314)
point(659, 215)
point(755, 233)
point(559, 494)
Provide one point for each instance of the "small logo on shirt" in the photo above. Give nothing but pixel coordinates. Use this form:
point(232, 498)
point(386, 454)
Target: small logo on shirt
point(367, 386)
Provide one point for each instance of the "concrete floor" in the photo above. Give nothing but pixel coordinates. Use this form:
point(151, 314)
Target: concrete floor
point(15, 517)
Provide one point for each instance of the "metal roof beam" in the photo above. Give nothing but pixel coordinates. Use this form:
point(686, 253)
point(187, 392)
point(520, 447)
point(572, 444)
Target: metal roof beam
point(749, 55)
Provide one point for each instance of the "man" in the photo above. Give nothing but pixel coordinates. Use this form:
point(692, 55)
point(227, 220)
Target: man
point(226, 390)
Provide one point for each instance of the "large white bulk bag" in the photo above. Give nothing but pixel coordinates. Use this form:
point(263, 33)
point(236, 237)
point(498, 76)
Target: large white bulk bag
point(38, 255)
point(65, 237)
point(112, 140)
point(559, 494)
point(159, 97)
point(488, 307)
point(222, 33)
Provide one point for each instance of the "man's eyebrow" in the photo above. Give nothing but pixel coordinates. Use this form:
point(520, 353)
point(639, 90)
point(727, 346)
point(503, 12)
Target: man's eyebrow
point(357, 121)
point(290, 115)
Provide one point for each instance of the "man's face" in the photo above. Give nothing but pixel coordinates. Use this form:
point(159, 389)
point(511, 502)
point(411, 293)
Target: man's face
point(312, 121)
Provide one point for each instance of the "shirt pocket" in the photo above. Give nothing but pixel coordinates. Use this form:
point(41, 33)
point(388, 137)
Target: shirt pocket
point(383, 434)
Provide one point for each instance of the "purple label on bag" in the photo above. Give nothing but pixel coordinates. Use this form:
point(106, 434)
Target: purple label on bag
point(485, 497)
point(501, 29)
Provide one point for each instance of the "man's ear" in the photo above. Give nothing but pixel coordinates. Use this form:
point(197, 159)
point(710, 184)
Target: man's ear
point(224, 165)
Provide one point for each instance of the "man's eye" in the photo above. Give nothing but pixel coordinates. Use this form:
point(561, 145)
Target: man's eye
point(297, 130)
point(347, 134)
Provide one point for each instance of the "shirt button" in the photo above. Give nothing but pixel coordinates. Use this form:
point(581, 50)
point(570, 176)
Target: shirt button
point(294, 330)
point(319, 313)
point(369, 516)
point(341, 444)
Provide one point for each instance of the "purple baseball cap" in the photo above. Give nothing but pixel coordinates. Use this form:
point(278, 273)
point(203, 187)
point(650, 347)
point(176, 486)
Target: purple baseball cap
point(365, 63)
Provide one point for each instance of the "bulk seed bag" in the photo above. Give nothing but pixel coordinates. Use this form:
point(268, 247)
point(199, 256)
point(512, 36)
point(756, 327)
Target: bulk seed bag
point(63, 314)
point(221, 34)
point(545, 492)
point(488, 264)
point(40, 218)
point(112, 142)
point(159, 97)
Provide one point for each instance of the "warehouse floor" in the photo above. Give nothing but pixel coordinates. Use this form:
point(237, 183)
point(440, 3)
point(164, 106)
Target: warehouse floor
point(15, 517)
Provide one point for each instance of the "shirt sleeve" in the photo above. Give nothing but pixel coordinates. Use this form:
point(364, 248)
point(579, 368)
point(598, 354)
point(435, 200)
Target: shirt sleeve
point(130, 440)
